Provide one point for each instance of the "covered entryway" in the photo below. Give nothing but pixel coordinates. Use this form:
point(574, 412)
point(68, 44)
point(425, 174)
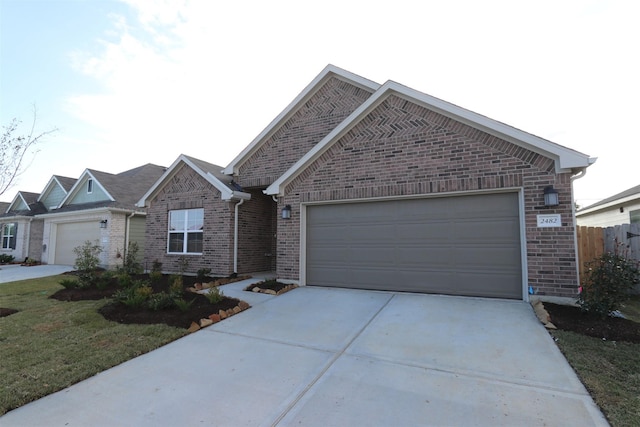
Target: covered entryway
point(71, 235)
point(464, 245)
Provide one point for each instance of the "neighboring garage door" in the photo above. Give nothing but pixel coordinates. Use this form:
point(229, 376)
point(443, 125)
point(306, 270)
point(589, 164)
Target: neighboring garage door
point(69, 236)
point(465, 245)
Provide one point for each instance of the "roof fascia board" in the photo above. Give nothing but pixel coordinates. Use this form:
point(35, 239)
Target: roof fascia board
point(609, 205)
point(328, 72)
point(565, 159)
point(171, 170)
point(225, 191)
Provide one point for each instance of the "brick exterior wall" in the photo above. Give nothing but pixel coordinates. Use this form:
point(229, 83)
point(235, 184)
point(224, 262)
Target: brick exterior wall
point(188, 190)
point(327, 108)
point(256, 234)
point(404, 149)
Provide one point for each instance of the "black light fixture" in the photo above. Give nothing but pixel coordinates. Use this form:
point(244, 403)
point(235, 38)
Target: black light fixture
point(286, 212)
point(550, 196)
point(103, 223)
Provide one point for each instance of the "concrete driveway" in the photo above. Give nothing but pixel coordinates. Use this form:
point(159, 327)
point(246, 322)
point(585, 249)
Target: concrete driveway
point(337, 357)
point(14, 272)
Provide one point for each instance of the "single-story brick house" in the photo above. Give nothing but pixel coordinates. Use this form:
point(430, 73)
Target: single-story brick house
point(362, 185)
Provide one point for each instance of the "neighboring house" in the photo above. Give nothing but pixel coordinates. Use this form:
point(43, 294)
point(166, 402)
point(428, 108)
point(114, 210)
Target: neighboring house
point(362, 185)
point(99, 207)
point(19, 227)
point(623, 208)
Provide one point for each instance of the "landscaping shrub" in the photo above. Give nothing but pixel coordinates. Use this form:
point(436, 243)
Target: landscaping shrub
point(608, 283)
point(156, 272)
point(214, 295)
point(6, 258)
point(87, 262)
point(159, 301)
point(130, 263)
point(69, 283)
point(182, 304)
point(203, 275)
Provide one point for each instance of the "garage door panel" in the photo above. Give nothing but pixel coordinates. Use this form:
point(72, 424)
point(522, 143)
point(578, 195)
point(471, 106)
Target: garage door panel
point(72, 235)
point(467, 245)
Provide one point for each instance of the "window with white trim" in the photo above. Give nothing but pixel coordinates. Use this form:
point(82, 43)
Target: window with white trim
point(9, 236)
point(185, 231)
point(89, 186)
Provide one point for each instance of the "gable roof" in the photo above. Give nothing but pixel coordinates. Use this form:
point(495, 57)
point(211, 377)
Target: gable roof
point(28, 200)
point(122, 190)
point(631, 194)
point(565, 158)
point(229, 190)
point(330, 71)
point(63, 182)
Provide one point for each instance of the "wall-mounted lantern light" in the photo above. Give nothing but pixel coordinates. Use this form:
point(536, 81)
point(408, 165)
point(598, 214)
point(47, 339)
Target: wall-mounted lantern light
point(103, 223)
point(286, 212)
point(550, 196)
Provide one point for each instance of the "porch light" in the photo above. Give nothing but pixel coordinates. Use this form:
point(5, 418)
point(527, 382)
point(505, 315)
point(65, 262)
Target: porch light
point(286, 212)
point(103, 223)
point(550, 196)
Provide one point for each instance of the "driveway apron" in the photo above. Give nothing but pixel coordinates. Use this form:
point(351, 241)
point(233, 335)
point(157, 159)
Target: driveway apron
point(339, 357)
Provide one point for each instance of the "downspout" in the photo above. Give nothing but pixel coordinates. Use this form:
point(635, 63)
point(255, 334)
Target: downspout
point(579, 175)
point(235, 237)
point(127, 232)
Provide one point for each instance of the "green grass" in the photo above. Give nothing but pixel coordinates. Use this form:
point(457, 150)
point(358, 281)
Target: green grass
point(49, 345)
point(609, 370)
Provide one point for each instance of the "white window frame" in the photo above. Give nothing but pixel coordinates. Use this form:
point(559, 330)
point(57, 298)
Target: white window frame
point(184, 230)
point(89, 186)
point(8, 238)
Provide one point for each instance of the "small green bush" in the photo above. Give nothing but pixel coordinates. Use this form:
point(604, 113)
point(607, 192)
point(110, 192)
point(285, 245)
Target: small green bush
point(130, 263)
point(155, 276)
point(159, 301)
point(6, 258)
point(87, 262)
point(104, 280)
point(182, 304)
point(214, 295)
point(124, 280)
point(608, 282)
point(202, 275)
point(176, 288)
point(69, 283)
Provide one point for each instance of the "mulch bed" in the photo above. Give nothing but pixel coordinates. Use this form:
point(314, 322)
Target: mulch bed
point(7, 311)
point(270, 287)
point(116, 311)
point(570, 318)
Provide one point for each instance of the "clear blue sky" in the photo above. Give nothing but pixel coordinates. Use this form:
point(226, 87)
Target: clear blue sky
point(140, 81)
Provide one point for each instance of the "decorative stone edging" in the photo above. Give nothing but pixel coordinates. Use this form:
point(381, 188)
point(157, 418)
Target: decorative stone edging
point(217, 317)
point(271, 291)
point(542, 314)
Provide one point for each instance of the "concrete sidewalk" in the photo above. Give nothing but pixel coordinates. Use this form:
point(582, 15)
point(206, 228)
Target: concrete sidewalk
point(14, 272)
point(338, 357)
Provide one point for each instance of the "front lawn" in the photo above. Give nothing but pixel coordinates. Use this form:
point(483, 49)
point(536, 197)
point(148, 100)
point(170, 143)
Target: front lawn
point(610, 370)
point(49, 345)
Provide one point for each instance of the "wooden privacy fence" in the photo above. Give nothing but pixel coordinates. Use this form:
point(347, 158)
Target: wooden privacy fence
point(594, 241)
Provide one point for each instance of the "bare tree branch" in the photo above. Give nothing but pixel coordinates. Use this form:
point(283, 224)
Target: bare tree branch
point(14, 150)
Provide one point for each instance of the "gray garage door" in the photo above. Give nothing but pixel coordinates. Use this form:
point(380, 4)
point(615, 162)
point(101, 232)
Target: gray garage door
point(467, 245)
point(69, 236)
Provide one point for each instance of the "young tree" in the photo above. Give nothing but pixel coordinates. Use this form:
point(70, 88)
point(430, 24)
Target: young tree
point(14, 151)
